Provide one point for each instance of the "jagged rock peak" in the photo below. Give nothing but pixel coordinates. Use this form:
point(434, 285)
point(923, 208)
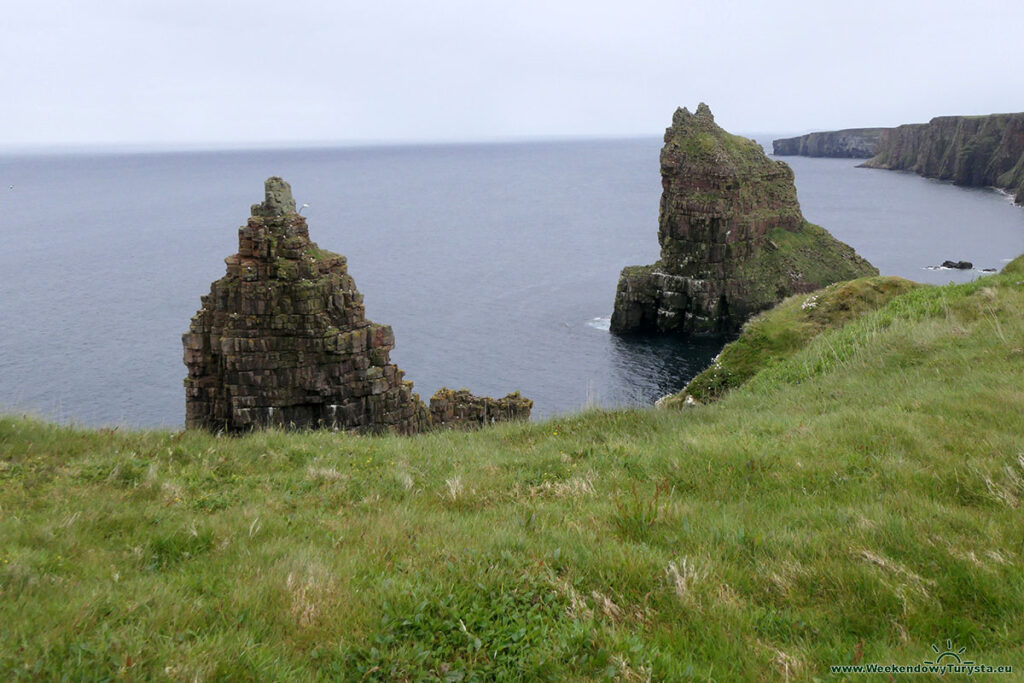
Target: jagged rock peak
point(701, 118)
point(278, 199)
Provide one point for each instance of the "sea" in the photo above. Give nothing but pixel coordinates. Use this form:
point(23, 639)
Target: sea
point(496, 264)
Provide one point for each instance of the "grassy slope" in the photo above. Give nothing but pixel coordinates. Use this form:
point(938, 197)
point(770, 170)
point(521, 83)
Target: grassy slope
point(779, 332)
point(864, 496)
point(811, 251)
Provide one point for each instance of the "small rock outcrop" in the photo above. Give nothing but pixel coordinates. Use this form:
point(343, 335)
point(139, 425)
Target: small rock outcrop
point(282, 339)
point(733, 239)
point(460, 408)
point(975, 151)
point(851, 143)
point(957, 265)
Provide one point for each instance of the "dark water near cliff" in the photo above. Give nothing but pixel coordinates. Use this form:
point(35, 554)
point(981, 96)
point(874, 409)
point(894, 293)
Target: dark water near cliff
point(495, 264)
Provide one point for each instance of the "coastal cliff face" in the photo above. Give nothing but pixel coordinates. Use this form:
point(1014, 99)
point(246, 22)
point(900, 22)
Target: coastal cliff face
point(852, 143)
point(282, 340)
point(968, 150)
point(733, 239)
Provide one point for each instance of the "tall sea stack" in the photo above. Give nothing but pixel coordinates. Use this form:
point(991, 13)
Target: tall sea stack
point(282, 339)
point(733, 239)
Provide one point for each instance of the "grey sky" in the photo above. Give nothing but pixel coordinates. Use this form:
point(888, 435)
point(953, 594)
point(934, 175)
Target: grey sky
point(213, 71)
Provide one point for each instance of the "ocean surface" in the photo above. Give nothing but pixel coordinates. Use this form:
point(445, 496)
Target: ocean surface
point(495, 264)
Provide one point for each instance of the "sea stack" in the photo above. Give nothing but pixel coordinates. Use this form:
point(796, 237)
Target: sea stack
point(733, 239)
point(282, 340)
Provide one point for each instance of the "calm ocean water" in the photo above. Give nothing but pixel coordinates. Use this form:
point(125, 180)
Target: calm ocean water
point(496, 265)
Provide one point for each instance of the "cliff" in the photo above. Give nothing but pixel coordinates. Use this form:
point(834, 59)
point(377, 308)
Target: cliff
point(733, 239)
point(852, 143)
point(968, 150)
point(282, 339)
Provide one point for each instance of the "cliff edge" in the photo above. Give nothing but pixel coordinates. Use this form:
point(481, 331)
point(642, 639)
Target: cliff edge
point(733, 239)
point(975, 151)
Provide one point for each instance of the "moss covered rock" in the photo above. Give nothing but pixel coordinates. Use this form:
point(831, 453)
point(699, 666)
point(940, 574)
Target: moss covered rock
point(733, 239)
point(450, 408)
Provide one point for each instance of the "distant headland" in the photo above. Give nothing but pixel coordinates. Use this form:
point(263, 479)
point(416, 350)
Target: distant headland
point(851, 143)
point(974, 151)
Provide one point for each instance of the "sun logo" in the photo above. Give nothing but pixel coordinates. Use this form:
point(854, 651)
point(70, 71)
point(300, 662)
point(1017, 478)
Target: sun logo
point(949, 653)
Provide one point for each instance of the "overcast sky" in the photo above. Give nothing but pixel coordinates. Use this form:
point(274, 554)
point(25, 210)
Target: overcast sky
point(209, 72)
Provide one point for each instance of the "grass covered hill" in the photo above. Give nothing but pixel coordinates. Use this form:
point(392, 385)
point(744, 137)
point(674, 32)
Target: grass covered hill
point(776, 334)
point(857, 502)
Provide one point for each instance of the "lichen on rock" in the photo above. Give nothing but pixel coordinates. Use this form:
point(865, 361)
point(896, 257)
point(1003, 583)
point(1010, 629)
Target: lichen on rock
point(733, 239)
point(282, 340)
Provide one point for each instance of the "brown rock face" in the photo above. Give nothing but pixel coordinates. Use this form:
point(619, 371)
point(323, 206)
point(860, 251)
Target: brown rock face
point(969, 150)
point(462, 409)
point(733, 240)
point(282, 339)
point(720, 196)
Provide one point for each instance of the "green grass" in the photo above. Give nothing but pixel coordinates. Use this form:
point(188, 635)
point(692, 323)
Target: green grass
point(809, 255)
point(857, 501)
point(778, 333)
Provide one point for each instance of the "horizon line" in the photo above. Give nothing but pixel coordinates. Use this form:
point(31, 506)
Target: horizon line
point(298, 145)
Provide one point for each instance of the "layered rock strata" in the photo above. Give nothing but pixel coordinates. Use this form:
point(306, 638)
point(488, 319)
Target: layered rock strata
point(851, 143)
point(733, 239)
point(975, 151)
point(282, 339)
point(460, 408)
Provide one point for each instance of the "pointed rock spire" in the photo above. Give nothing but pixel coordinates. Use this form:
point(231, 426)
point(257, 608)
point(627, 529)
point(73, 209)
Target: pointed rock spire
point(282, 339)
